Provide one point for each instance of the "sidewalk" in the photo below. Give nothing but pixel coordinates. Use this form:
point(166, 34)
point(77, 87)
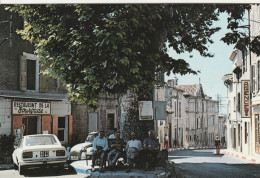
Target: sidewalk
point(82, 167)
point(190, 148)
point(252, 158)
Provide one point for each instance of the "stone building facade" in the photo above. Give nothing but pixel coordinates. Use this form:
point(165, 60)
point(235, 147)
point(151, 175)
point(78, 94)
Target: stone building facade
point(192, 117)
point(243, 88)
point(33, 103)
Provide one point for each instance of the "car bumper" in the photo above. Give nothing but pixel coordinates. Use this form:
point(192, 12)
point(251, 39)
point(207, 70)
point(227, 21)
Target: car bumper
point(42, 162)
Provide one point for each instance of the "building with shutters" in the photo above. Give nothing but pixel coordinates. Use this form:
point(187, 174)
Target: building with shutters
point(243, 88)
point(192, 117)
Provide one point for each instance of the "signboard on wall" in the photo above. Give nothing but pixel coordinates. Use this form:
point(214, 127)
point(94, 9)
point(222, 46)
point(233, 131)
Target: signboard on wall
point(145, 110)
point(31, 108)
point(245, 98)
point(160, 110)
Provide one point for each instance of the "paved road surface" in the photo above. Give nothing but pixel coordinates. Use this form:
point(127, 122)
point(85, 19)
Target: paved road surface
point(206, 164)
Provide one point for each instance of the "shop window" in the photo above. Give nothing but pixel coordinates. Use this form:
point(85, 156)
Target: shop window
point(61, 128)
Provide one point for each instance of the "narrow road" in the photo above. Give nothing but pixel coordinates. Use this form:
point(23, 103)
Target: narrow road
point(205, 163)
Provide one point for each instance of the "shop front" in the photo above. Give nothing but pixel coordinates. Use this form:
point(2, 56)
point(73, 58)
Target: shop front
point(41, 117)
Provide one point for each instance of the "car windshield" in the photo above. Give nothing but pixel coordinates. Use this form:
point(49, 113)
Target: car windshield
point(90, 138)
point(40, 140)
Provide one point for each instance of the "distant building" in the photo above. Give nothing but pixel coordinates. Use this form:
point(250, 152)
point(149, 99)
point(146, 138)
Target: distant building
point(192, 117)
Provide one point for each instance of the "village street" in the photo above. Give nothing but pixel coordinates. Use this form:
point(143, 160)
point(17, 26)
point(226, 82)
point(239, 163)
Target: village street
point(205, 163)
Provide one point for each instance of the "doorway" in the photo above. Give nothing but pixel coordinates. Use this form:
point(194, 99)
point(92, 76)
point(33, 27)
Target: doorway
point(29, 125)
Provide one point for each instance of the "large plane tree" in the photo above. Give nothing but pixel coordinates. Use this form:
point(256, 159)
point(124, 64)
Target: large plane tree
point(118, 47)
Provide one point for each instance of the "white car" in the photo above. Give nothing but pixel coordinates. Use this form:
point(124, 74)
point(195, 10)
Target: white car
point(39, 150)
point(83, 150)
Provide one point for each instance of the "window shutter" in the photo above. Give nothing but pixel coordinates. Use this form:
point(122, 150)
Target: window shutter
point(46, 124)
point(43, 83)
point(55, 124)
point(70, 128)
point(258, 75)
point(23, 73)
point(256, 78)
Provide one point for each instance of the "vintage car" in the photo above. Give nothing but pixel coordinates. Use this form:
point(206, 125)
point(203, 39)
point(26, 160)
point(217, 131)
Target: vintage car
point(39, 150)
point(83, 150)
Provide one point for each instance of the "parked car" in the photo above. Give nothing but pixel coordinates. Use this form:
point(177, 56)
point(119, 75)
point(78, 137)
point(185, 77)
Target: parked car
point(39, 150)
point(83, 150)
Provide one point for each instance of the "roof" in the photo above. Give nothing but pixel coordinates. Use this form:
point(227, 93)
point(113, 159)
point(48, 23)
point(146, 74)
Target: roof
point(190, 89)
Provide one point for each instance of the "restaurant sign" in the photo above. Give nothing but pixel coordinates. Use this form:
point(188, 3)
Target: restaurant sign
point(31, 108)
point(245, 98)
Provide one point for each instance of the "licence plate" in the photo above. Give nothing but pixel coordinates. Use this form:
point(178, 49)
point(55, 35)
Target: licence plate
point(44, 153)
point(74, 158)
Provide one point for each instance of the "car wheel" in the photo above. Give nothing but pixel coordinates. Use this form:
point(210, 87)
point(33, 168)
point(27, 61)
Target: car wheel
point(60, 166)
point(15, 166)
point(21, 169)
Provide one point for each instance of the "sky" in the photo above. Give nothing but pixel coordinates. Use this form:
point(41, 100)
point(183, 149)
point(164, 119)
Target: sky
point(211, 69)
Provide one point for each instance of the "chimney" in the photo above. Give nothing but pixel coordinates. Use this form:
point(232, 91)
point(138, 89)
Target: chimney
point(175, 81)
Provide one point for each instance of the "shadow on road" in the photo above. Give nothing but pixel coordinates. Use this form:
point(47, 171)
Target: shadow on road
point(217, 170)
point(194, 153)
point(205, 163)
point(46, 172)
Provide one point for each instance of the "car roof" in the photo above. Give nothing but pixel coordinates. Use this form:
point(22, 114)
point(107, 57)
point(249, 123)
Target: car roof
point(35, 135)
point(93, 133)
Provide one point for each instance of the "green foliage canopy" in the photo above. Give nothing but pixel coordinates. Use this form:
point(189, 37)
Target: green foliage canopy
point(115, 48)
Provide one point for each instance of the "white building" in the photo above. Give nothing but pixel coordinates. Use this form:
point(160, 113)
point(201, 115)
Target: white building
point(192, 117)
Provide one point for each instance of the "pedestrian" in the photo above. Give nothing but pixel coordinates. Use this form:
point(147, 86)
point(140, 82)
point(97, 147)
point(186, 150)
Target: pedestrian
point(166, 142)
point(133, 148)
point(151, 148)
point(217, 144)
point(100, 146)
point(116, 150)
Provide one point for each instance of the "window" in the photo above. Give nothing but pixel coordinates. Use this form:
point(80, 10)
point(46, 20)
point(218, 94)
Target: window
point(179, 109)
point(253, 78)
point(244, 57)
point(110, 121)
point(61, 128)
point(31, 74)
point(245, 132)
point(234, 104)
point(238, 135)
point(238, 102)
point(258, 75)
point(175, 109)
point(257, 133)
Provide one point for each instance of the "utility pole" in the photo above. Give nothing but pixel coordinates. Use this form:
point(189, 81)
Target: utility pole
point(2, 40)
